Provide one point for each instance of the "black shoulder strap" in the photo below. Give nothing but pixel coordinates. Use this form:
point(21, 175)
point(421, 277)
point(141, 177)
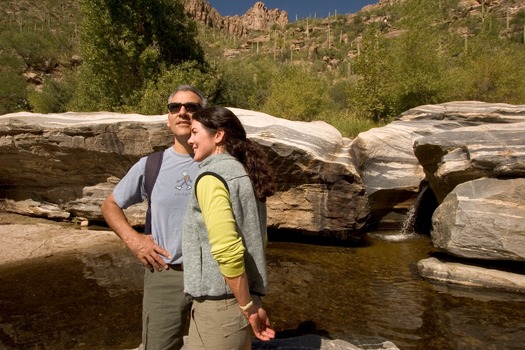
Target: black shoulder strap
point(153, 164)
point(212, 174)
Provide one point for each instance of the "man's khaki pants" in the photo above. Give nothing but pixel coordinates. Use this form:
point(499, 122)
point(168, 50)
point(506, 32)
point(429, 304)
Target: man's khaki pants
point(165, 310)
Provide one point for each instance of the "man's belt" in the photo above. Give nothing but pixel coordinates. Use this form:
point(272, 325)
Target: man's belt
point(177, 267)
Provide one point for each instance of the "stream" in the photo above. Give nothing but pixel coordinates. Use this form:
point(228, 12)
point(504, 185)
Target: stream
point(93, 301)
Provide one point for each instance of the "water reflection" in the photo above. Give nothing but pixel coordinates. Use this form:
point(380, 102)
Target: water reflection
point(376, 290)
point(93, 301)
point(48, 303)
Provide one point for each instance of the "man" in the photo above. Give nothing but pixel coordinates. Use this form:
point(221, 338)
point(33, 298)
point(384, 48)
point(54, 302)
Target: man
point(165, 305)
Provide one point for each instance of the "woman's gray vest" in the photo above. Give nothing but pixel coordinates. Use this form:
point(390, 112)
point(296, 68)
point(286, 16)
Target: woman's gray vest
point(202, 277)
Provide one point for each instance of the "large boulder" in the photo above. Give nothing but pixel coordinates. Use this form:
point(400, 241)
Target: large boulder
point(476, 172)
point(389, 169)
point(319, 189)
point(424, 144)
point(482, 219)
point(385, 160)
point(53, 157)
point(467, 153)
point(74, 160)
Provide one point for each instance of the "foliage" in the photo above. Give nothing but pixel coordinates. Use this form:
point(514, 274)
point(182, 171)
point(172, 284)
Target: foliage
point(349, 125)
point(38, 52)
point(517, 27)
point(488, 72)
point(155, 95)
point(245, 83)
point(297, 95)
point(416, 57)
point(353, 72)
point(23, 52)
point(34, 40)
point(13, 92)
point(126, 45)
point(13, 89)
point(369, 95)
point(55, 95)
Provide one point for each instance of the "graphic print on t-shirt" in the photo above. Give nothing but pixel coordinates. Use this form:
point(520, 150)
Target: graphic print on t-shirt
point(184, 181)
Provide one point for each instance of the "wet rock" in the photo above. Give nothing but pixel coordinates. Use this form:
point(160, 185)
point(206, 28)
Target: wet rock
point(315, 342)
point(469, 275)
point(389, 169)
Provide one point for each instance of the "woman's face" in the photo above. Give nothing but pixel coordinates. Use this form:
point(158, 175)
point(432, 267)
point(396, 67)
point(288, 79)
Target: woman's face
point(203, 143)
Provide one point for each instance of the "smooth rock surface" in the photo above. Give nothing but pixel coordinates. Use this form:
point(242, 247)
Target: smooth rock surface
point(443, 144)
point(73, 160)
point(471, 276)
point(482, 219)
point(467, 153)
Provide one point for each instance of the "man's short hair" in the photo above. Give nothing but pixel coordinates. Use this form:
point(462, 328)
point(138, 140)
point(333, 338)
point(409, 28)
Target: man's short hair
point(193, 89)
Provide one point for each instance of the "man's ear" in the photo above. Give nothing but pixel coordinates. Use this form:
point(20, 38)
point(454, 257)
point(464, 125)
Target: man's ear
point(219, 136)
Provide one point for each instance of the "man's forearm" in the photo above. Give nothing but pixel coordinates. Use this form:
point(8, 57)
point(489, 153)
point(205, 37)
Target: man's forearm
point(142, 246)
point(116, 219)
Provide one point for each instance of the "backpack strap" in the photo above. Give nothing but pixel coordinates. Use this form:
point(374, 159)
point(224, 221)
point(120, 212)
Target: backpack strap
point(153, 164)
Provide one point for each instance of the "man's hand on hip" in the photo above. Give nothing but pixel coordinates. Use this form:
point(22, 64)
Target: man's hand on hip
point(148, 252)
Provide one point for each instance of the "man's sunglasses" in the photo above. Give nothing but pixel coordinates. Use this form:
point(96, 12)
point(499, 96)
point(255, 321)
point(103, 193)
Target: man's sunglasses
point(190, 107)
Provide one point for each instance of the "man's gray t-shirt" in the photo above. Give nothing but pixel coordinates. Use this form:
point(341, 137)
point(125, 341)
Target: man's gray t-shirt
point(170, 197)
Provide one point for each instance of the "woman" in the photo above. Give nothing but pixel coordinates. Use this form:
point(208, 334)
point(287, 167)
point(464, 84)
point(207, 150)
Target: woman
point(225, 234)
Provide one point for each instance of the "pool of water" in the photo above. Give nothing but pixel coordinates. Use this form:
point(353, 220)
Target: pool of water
point(94, 301)
point(375, 290)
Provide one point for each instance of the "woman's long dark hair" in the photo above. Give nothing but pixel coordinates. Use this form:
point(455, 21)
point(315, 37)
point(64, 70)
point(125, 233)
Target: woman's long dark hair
point(243, 149)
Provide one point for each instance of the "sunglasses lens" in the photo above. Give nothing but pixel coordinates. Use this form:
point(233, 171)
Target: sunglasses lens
point(174, 107)
point(192, 107)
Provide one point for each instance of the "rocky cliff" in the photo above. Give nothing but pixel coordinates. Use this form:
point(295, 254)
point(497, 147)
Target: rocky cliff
point(261, 19)
point(257, 18)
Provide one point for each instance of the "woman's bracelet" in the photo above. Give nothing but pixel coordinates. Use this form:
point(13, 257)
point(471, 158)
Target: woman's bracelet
point(247, 306)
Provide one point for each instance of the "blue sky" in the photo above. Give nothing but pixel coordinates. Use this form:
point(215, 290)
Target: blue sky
point(301, 8)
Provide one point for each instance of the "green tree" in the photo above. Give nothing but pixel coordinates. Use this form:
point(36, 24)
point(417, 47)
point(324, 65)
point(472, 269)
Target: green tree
point(127, 44)
point(13, 92)
point(155, 96)
point(55, 95)
point(297, 95)
point(369, 94)
point(245, 83)
point(417, 57)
